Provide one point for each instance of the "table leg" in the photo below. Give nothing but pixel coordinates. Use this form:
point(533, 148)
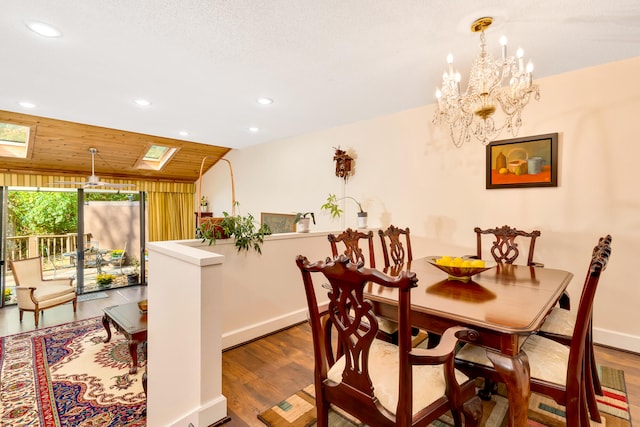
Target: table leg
point(133, 350)
point(515, 373)
point(105, 323)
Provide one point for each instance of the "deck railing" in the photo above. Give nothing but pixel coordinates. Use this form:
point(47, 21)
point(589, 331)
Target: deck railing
point(54, 248)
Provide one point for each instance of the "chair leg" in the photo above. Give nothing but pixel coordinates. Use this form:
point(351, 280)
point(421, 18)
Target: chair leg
point(21, 313)
point(322, 413)
point(36, 315)
point(592, 403)
point(490, 387)
point(565, 301)
point(75, 304)
point(592, 367)
point(472, 410)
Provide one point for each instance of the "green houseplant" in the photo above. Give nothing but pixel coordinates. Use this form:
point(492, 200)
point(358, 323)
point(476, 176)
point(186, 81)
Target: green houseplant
point(244, 229)
point(303, 221)
point(331, 205)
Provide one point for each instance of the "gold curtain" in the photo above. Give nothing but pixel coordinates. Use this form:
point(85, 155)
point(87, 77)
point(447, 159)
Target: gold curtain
point(171, 216)
point(171, 205)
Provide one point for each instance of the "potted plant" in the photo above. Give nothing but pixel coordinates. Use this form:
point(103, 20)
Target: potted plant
point(105, 280)
point(303, 221)
point(204, 204)
point(331, 205)
point(244, 229)
point(116, 254)
point(7, 294)
point(133, 276)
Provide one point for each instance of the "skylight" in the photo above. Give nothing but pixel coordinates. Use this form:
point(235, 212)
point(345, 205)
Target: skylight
point(156, 157)
point(155, 153)
point(14, 140)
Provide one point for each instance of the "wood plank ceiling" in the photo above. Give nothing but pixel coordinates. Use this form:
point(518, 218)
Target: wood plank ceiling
point(62, 148)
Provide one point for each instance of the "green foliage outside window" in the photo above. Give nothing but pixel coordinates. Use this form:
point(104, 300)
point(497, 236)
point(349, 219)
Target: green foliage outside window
point(43, 213)
point(48, 212)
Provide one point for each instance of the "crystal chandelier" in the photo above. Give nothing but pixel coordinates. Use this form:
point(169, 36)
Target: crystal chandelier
point(505, 82)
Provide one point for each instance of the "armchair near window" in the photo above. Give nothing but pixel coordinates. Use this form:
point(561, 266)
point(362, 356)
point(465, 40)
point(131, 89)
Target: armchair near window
point(34, 293)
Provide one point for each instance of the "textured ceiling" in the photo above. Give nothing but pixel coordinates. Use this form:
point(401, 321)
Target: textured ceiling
point(203, 63)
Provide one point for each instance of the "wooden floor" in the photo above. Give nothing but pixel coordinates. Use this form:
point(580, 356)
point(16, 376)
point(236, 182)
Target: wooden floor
point(259, 374)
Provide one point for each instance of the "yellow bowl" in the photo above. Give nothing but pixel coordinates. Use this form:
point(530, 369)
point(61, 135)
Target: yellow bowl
point(142, 305)
point(462, 274)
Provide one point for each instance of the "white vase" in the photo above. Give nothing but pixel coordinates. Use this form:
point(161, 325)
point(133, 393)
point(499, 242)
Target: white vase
point(362, 220)
point(303, 224)
point(204, 208)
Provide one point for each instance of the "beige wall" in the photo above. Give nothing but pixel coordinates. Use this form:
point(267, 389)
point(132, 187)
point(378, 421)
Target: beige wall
point(409, 174)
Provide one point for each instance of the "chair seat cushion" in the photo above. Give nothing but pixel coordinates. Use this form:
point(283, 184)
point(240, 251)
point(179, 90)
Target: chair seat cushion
point(548, 359)
point(428, 380)
point(51, 291)
point(559, 322)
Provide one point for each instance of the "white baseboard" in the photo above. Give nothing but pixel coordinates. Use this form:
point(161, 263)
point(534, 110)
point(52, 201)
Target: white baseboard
point(618, 340)
point(205, 415)
point(230, 339)
point(257, 330)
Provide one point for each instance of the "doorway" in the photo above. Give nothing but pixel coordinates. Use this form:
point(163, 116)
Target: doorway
point(95, 238)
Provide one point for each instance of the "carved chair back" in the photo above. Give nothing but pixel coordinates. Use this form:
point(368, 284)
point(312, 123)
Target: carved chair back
point(504, 248)
point(392, 248)
point(351, 240)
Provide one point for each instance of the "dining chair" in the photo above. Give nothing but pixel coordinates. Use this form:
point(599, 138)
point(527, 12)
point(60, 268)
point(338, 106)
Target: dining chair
point(396, 258)
point(505, 249)
point(559, 326)
point(379, 383)
point(351, 240)
point(556, 370)
point(392, 248)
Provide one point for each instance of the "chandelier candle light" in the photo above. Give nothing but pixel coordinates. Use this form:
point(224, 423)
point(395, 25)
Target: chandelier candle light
point(474, 111)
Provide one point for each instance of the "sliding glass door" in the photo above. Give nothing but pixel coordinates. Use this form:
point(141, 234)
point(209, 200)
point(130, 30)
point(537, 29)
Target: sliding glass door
point(95, 238)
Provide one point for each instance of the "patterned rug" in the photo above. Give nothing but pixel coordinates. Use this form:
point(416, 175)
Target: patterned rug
point(66, 376)
point(299, 409)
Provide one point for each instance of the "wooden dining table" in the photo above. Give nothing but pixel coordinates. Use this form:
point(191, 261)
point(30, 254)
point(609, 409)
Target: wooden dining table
point(504, 304)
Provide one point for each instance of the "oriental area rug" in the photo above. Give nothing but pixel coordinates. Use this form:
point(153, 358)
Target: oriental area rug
point(66, 376)
point(299, 409)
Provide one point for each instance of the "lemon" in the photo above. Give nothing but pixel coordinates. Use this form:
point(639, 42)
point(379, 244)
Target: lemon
point(466, 263)
point(503, 171)
point(477, 263)
point(456, 262)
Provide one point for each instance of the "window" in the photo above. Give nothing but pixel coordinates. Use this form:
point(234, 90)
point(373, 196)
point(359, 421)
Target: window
point(156, 157)
point(14, 140)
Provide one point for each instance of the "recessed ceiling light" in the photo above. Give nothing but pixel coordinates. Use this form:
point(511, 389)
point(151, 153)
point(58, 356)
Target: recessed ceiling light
point(253, 129)
point(27, 104)
point(142, 102)
point(43, 29)
point(184, 133)
point(265, 101)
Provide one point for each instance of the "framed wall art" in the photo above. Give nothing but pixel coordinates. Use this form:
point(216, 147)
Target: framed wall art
point(530, 161)
point(278, 222)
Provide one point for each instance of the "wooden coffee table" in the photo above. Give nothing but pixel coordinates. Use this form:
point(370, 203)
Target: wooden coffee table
point(132, 323)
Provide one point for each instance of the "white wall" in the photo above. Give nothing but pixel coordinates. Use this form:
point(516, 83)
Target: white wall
point(408, 173)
